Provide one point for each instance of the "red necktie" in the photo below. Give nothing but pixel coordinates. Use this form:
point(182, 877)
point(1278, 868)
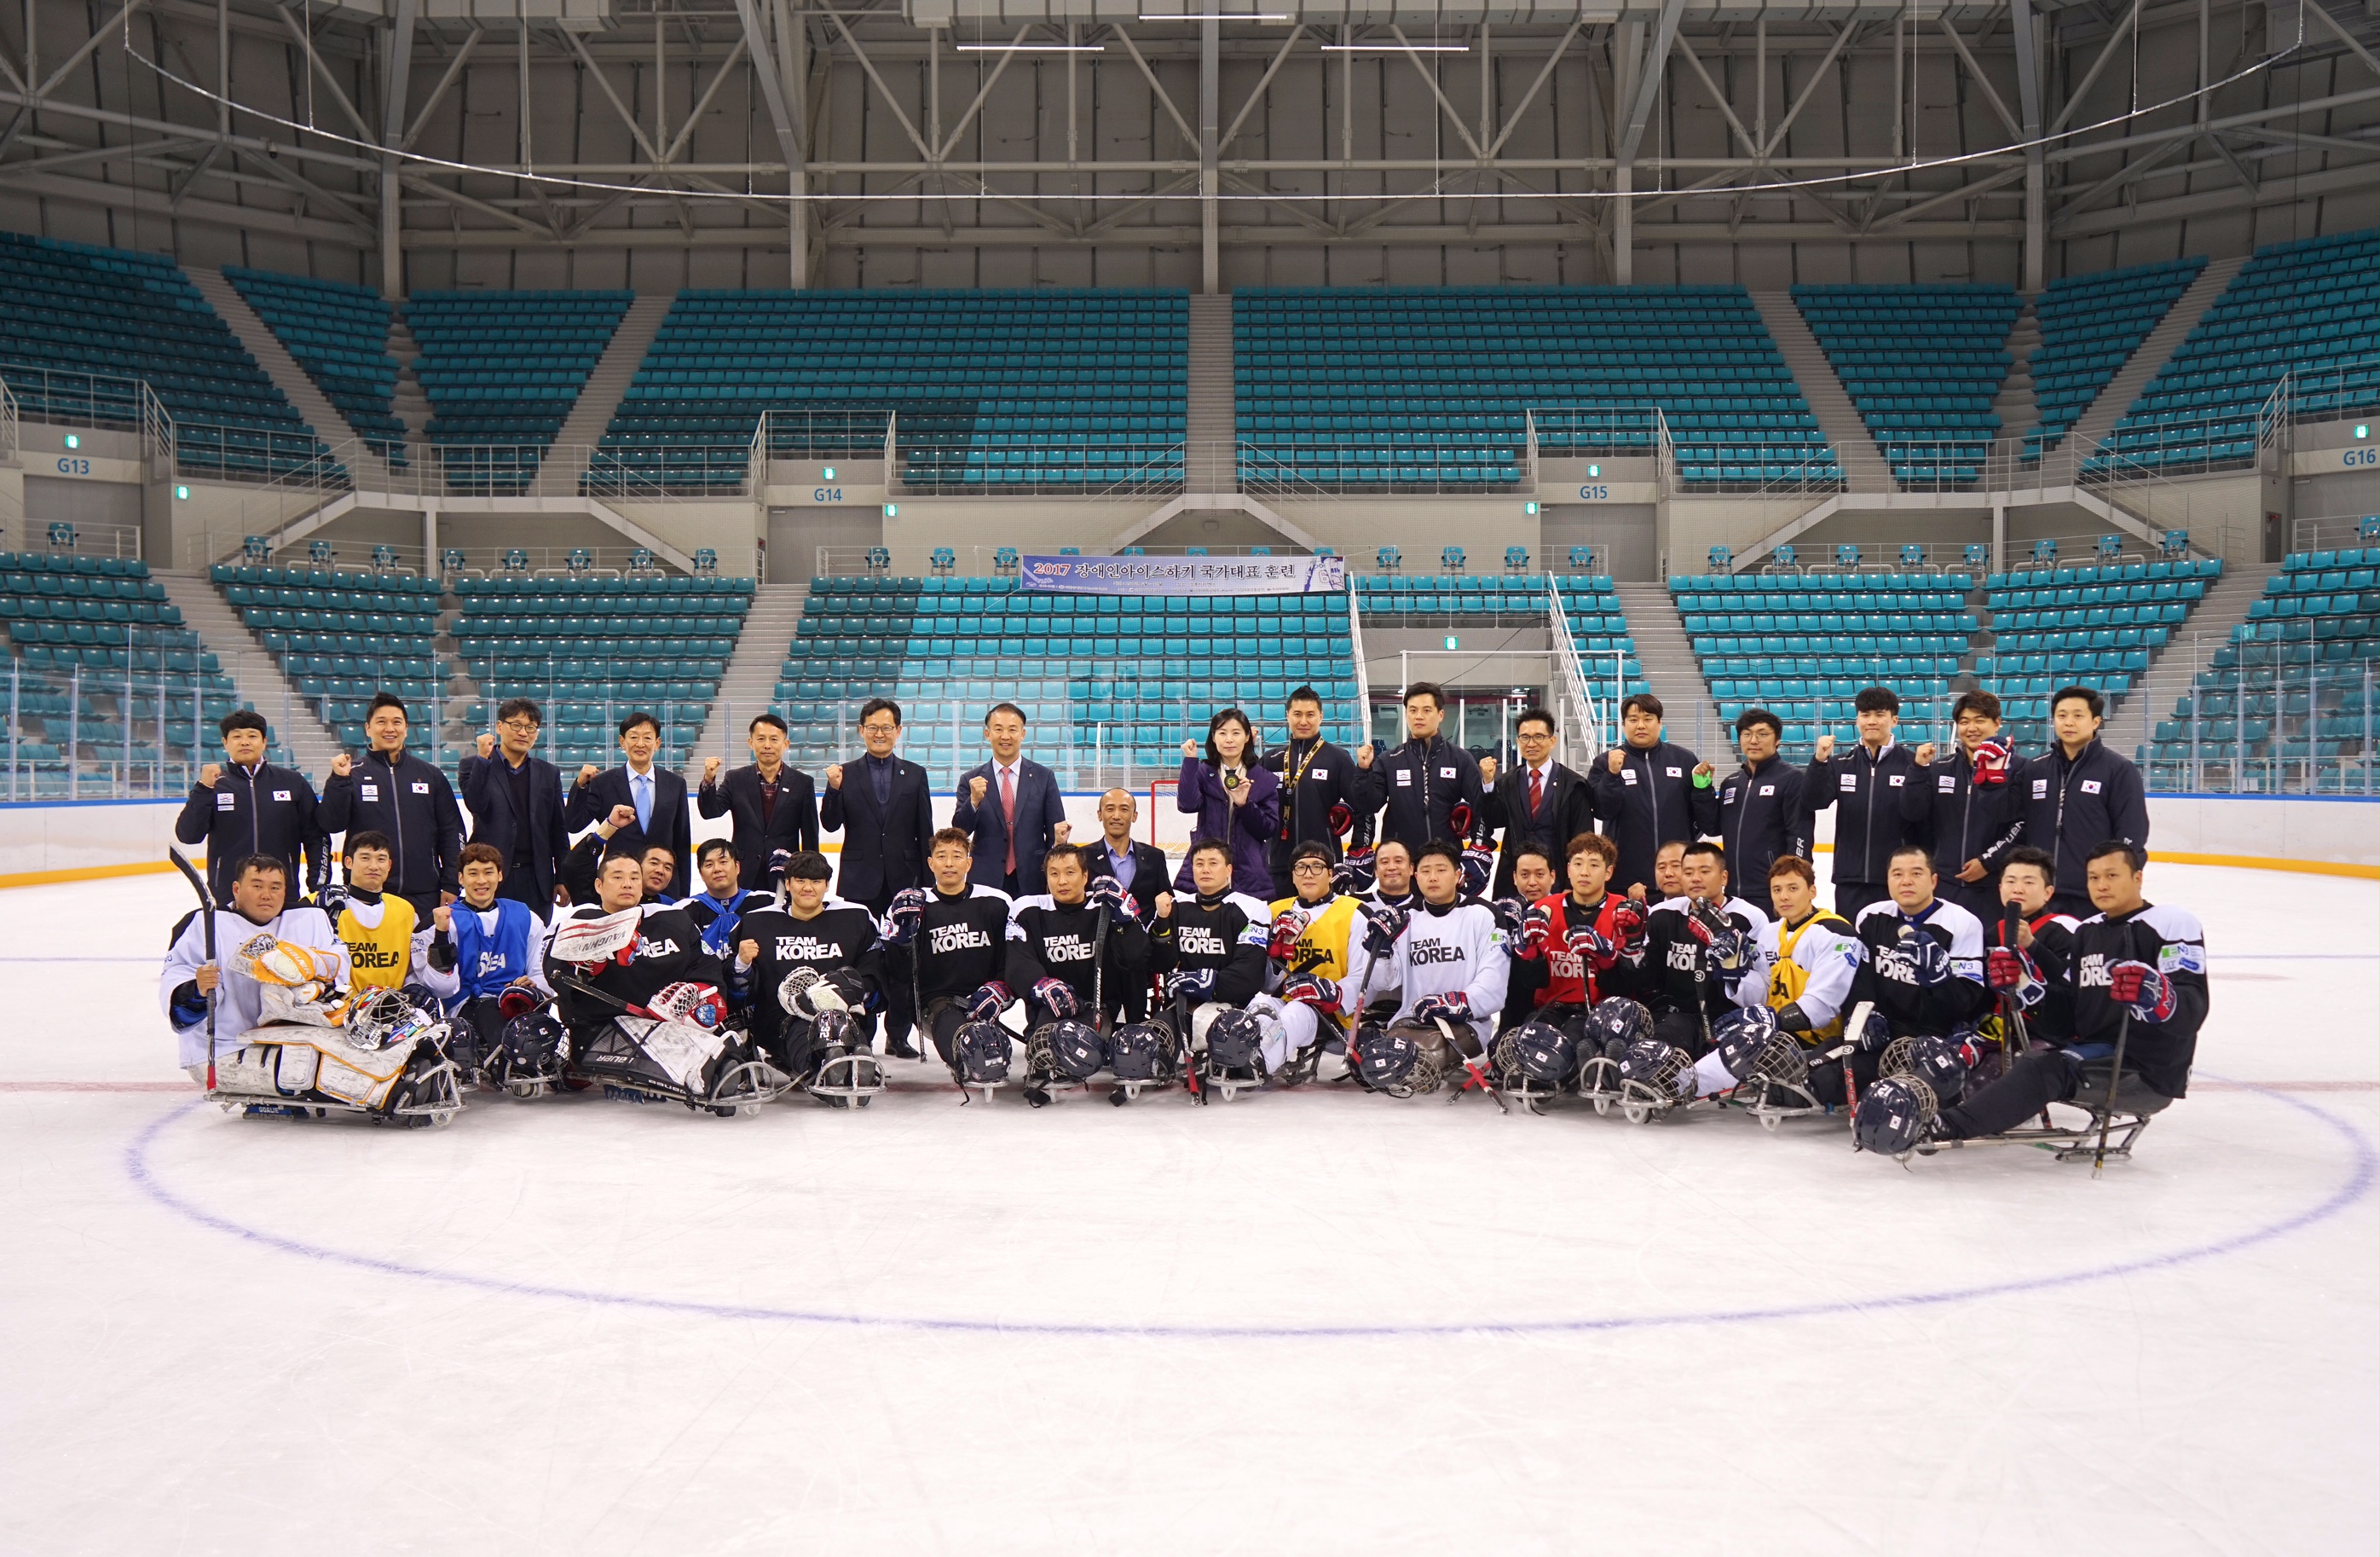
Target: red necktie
point(1536, 789)
point(1008, 815)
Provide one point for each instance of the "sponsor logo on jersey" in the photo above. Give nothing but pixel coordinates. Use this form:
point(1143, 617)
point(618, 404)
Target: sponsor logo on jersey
point(1404, 778)
point(1628, 775)
point(2181, 956)
point(957, 938)
point(1848, 780)
point(226, 801)
point(367, 791)
point(807, 949)
point(1200, 940)
point(1947, 783)
point(2041, 789)
point(1433, 953)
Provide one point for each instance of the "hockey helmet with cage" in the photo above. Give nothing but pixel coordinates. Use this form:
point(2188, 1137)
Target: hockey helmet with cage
point(1941, 1063)
point(382, 1017)
point(1741, 1034)
point(1539, 1052)
point(1136, 1053)
point(532, 1048)
point(980, 1053)
point(1894, 1115)
point(1076, 1049)
point(1653, 1064)
point(1616, 1025)
point(1234, 1039)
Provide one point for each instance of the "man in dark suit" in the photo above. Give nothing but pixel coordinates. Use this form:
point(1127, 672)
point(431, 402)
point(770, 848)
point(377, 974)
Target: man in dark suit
point(1011, 808)
point(1539, 801)
point(515, 805)
point(1145, 875)
point(775, 806)
point(658, 798)
point(1317, 778)
point(882, 807)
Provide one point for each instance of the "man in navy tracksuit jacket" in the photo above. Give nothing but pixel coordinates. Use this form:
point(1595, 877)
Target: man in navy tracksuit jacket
point(1881, 800)
point(247, 806)
point(2080, 794)
point(1761, 815)
point(1648, 793)
point(1976, 819)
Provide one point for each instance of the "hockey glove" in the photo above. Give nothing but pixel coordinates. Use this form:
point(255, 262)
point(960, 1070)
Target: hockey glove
point(1454, 1006)
point(1287, 927)
point(778, 860)
point(1591, 947)
point(1930, 960)
point(1341, 821)
point(688, 1001)
point(331, 898)
point(1311, 988)
point(1872, 1038)
point(1791, 1018)
point(905, 917)
point(2141, 990)
point(1628, 927)
point(1058, 998)
point(1992, 761)
point(190, 1007)
point(1106, 892)
point(1537, 928)
point(1478, 865)
point(853, 989)
point(1189, 983)
point(793, 992)
point(1383, 924)
point(1458, 820)
point(989, 1002)
point(519, 999)
point(1353, 874)
point(1510, 913)
point(2014, 974)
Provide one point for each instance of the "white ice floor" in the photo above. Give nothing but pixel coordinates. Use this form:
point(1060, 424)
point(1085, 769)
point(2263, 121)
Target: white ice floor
point(1307, 1322)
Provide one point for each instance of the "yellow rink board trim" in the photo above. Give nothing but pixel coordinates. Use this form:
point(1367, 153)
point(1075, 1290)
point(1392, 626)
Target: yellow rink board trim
point(2238, 862)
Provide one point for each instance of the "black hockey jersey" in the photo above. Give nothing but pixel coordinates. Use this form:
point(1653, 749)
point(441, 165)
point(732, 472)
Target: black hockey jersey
point(669, 949)
point(1675, 973)
point(840, 936)
point(1229, 934)
point(962, 944)
point(1889, 977)
point(2050, 1018)
point(2169, 940)
point(1052, 940)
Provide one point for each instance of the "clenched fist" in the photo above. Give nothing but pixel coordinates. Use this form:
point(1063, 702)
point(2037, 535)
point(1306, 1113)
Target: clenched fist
point(587, 773)
point(1486, 772)
point(1062, 834)
point(747, 952)
point(621, 816)
point(1189, 748)
point(341, 765)
point(1825, 750)
point(486, 745)
point(1364, 755)
point(442, 917)
point(1923, 756)
point(208, 775)
point(835, 775)
point(1164, 905)
point(710, 772)
point(976, 788)
point(1615, 760)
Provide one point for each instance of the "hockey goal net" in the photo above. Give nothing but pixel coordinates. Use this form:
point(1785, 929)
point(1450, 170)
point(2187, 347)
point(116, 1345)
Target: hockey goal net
point(1165, 824)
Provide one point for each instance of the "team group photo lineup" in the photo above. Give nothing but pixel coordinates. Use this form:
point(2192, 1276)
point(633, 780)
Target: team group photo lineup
point(1645, 933)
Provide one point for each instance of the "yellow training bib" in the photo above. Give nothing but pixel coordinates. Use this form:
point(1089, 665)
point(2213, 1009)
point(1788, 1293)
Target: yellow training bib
point(381, 955)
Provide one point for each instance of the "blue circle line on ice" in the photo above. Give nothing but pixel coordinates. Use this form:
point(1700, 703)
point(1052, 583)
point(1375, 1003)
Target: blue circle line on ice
point(2364, 1168)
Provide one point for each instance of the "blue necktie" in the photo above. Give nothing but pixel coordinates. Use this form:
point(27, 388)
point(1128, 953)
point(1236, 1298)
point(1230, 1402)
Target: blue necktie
point(640, 787)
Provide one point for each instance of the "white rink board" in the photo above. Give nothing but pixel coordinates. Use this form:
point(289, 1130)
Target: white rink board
point(587, 1328)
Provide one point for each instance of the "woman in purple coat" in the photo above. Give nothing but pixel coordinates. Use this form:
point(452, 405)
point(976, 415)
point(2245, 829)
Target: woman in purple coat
point(1235, 802)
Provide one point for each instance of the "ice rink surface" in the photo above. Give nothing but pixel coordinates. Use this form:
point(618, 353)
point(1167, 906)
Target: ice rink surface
point(1309, 1322)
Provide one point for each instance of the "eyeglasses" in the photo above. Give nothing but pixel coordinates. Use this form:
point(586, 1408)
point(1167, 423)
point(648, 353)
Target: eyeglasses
point(878, 728)
point(1309, 867)
point(520, 726)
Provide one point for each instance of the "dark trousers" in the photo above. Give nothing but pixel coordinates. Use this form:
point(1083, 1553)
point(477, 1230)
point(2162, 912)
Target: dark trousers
point(900, 1012)
point(1682, 1030)
point(1852, 896)
point(1979, 898)
point(1826, 1078)
point(521, 887)
point(2038, 1079)
point(1755, 894)
point(2077, 904)
point(478, 1030)
point(424, 903)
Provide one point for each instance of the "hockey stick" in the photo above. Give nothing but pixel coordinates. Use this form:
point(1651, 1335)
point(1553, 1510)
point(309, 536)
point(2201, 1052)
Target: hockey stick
point(574, 983)
point(1099, 970)
point(1189, 1060)
point(2115, 1079)
point(207, 910)
point(1855, 1030)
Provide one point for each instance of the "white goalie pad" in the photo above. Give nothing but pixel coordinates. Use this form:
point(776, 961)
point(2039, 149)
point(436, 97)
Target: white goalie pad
point(681, 1049)
point(290, 1059)
point(586, 941)
point(286, 964)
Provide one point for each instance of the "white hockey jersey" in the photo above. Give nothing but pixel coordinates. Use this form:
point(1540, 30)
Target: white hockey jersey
point(1444, 950)
point(238, 998)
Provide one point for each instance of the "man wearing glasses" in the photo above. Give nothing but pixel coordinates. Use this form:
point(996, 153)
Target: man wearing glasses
point(516, 804)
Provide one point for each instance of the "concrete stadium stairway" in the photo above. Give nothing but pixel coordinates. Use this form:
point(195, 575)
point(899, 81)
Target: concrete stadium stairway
point(253, 673)
point(365, 465)
point(1688, 713)
point(1864, 467)
point(2171, 668)
point(2019, 410)
point(1213, 425)
point(749, 683)
point(583, 429)
point(2100, 417)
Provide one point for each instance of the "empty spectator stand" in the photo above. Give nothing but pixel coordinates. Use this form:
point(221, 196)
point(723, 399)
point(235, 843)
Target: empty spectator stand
point(2090, 327)
point(1596, 624)
point(592, 651)
point(991, 390)
point(2300, 309)
point(100, 629)
point(338, 333)
point(1803, 645)
point(1923, 364)
point(2093, 627)
point(2295, 686)
point(73, 311)
point(1107, 682)
point(1425, 387)
point(342, 636)
point(502, 370)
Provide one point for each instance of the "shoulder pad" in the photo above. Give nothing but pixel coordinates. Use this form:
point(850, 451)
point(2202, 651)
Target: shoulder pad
point(1038, 900)
point(979, 890)
point(2172, 923)
point(1255, 912)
